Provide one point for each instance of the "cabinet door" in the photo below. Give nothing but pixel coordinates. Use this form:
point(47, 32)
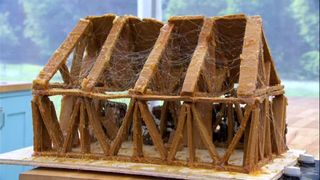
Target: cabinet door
point(15, 128)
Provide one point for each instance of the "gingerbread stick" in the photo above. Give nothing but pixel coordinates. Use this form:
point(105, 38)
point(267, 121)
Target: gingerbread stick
point(178, 134)
point(153, 131)
point(84, 129)
point(97, 127)
point(137, 135)
point(204, 135)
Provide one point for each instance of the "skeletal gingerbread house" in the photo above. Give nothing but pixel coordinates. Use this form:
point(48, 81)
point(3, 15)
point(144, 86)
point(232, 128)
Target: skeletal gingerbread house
point(196, 91)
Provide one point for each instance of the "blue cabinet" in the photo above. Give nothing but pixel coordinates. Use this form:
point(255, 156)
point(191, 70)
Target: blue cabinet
point(15, 128)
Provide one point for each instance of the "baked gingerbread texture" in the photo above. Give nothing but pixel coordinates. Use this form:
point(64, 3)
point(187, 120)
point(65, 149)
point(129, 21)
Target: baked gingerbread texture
point(140, 90)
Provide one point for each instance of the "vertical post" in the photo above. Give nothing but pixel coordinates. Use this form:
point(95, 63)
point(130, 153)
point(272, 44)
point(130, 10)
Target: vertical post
point(37, 128)
point(51, 123)
point(268, 145)
point(262, 132)
point(123, 130)
point(84, 129)
point(191, 146)
point(204, 135)
point(250, 154)
point(205, 116)
point(163, 118)
point(278, 108)
point(238, 135)
point(73, 128)
point(230, 122)
point(97, 127)
point(41, 138)
point(137, 135)
point(178, 134)
point(274, 132)
point(153, 131)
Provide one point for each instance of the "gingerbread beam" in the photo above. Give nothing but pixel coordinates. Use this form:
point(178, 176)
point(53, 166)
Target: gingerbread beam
point(178, 134)
point(41, 138)
point(153, 131)
point(163, 118)
point(274, 77)
point(61, 55)
point(73, 127)
point(198, 59)
point(250, 57)
point(105, 54)
point(204, 135)
point(64, 71)
point(51, 122)
point(230, 116)
point(191, 146)
point(114, 149)
point(137, 134)
point(251, 152)
point(97, 127)
point(238, 135)
point(77, 60)
point(279, 104)
point(151, 64)
point(84, 129)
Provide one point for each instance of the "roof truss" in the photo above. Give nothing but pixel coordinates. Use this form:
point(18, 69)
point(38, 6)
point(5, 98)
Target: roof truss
point(256, 67)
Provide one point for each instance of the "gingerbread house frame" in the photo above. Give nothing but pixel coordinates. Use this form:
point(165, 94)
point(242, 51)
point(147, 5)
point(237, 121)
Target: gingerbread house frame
point(225, 77)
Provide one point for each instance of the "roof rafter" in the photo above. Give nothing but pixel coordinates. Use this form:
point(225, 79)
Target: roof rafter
point(105, 54)
point(198, 58)
point(61, 54)
point(274, 77)
point(252, 45)
point(154, 58)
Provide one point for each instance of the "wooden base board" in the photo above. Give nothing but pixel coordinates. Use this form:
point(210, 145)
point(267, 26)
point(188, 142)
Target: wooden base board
point(23, 156)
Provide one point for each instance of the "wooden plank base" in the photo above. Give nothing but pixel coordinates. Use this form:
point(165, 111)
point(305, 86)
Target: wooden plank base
point(63, 174)
point(273, 170)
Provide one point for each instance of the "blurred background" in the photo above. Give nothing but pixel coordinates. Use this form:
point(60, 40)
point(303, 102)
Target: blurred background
point(32, 29)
